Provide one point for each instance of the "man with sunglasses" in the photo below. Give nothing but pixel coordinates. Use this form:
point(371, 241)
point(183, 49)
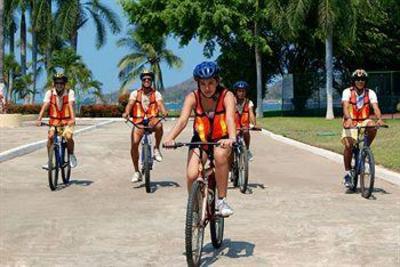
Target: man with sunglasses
point(145, 103)
point(60, 101)
point(357, 101)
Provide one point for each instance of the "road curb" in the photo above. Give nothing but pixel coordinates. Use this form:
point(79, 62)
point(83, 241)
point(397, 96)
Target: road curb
point(381, 172)
point(29, 148)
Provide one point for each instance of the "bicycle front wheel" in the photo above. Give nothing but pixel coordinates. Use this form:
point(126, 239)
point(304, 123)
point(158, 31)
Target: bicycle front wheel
point(53, 169)
point(216, 225)
point(146, 166)
point(354, 171)
point(243, 169)
point(66, 167)
point(367, 173)
point(194, 230)
point(235, 169)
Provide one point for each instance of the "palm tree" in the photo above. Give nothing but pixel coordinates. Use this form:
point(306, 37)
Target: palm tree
point(1, 39)
point(74, 14)
point(80, 78)
point(143, 54)
point(336, 17)
point(11, 28)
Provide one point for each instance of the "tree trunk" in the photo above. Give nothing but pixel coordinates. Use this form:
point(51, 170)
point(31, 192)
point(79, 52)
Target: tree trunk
point(34, 53)
point(23, 43)
point(160, 79)
point(259, 111)
point(329, 75)
point(12, 52)
point(1, 40)
point(49, 30)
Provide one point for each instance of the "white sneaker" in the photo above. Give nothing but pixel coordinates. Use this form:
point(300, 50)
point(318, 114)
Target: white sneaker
point(73, 162)
point(45, 166)
point(137, 177)
point(222, 208)
point(157, 155)
point(250, 155)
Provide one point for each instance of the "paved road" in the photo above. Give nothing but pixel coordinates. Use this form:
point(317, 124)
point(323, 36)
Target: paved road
point(297, 214)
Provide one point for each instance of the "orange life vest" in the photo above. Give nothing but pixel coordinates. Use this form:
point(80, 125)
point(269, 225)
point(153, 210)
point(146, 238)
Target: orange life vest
point(56, 115)
point(359, 114)
point(243, 119)
point(214, 128)
point(138, 112)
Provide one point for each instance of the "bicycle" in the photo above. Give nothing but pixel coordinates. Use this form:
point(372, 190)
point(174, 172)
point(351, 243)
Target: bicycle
point(147, 157)
point(201, 208)
point(363, 163)
point(58, 159)
point(240, 163)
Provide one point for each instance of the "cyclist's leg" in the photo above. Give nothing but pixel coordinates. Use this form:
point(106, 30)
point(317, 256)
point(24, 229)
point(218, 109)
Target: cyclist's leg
point(347, 153)
point(221, 157)
point(50, 136)
point(68, 133)
point(136, 137)
point(158, 133)
point(192, 167)
point(371, 133)
point(246, 137)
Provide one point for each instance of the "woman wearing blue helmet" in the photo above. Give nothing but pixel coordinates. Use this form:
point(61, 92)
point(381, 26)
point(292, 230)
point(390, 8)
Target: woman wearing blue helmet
point(244, 112)
point(214, 109)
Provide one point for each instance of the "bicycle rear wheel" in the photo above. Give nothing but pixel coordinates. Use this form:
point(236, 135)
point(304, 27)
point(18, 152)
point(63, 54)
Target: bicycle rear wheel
point(216, 226)
point(66, 167)
point(53, 168)
point(367, 173)
point(194, 231)
point(243, 169)
point(146, 166)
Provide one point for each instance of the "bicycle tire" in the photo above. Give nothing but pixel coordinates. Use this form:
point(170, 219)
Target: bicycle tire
point(194, 232)
point(367, 161)
point(66, 167)
point(354, 171)
point(235, 169)
point(52, 169)
point(244, 170)
point(146, 166)
point(216, 226)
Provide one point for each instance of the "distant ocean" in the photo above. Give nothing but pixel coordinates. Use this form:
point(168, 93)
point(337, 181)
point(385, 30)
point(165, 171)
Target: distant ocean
point(267, 106)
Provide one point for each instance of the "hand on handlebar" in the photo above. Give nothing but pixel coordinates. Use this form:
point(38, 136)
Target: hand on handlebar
point(225, 143)
point(169, 144)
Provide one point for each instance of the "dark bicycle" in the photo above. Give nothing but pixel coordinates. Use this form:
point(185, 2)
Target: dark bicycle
point(363, 163)
point(58, 160)
point(240, 164)
point(201, 207)
point(146, 157)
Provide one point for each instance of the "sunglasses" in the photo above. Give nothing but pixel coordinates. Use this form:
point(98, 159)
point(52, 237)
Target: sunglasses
point(146, 79)
point(59, 83)
point(360, 80)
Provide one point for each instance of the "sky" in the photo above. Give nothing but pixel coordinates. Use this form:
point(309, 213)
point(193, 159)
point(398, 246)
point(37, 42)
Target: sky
point(103, 62)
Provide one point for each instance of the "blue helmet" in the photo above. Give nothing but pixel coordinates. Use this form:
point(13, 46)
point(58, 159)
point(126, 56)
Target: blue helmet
point(241, 85)
point(206, 70)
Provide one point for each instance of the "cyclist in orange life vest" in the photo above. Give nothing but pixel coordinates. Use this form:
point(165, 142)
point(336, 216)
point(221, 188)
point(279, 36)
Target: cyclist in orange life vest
point(60, 100)
point(357, 101)
point(145, 103)
point(214, 109)
point(244, 112)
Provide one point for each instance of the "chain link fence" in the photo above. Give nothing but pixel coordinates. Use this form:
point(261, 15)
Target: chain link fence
point(305, 94)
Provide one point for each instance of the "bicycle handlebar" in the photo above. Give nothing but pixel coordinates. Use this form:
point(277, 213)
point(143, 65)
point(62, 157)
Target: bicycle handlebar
point(146, 127)
point(250, 129)
point(369, 127)
point(196, 144)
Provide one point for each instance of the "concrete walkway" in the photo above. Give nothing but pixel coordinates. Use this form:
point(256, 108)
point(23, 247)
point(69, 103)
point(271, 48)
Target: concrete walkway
point(297, 215)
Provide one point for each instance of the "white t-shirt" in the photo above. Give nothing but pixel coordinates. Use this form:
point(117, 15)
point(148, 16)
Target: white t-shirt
point(145, 98)
point(239, 107)
point(47, 96)
point(360, 98)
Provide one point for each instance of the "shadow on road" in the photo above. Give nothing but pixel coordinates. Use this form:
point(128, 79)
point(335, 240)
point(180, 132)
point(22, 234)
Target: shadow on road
point(157, 184)
point(75, 182)
point(229, 248)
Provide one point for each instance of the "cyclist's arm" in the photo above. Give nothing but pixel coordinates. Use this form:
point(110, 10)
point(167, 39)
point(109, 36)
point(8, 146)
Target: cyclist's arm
point(183, 118)
point(252, 117)
point(45, 106)
point(377, 112)
point(129, 106)
point(71, 108)
point(163, 109)
point(230, 110)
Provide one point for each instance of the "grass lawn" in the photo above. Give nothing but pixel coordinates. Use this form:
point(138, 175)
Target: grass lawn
point(327, 133)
